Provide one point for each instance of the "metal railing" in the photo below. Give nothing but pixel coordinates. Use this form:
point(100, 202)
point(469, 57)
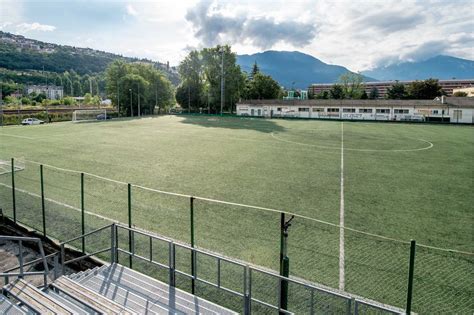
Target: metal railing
point(247, 272)
point(22, 273)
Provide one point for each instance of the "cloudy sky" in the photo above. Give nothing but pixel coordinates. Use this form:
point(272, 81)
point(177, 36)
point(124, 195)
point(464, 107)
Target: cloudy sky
point(356, 34)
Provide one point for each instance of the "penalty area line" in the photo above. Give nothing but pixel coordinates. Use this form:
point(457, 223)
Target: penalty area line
point(341, 218)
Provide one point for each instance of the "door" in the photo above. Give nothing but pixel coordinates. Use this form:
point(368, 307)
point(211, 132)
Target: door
point(252, 112)
point(259, 112)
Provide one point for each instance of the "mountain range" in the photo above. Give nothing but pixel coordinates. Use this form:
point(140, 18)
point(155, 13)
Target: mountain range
point(293, 68)
point(301, 70)
point(440, 67)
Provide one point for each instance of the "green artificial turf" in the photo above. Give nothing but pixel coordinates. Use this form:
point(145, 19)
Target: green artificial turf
point(401, 181)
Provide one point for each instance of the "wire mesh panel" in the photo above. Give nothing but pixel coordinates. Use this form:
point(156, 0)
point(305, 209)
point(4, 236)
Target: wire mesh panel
point(167, 215)
point(106, 198)
point(238, 232)
point(443, 282)
point(28, 196)
point(62, 203)
point(375, 268)
point(6, 201)
point(313, 251)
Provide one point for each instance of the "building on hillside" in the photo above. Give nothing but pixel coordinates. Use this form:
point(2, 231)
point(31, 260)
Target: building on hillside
point(468, 90)
point(383, 86)
point(52, 92)
point(442, 109)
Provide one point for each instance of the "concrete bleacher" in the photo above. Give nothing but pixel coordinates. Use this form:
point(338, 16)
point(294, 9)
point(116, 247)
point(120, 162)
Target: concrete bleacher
point(110, 289)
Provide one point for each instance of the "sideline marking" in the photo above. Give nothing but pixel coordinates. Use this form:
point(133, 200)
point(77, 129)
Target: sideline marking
point(15, 136)
point(430, 145)
point(341, 218)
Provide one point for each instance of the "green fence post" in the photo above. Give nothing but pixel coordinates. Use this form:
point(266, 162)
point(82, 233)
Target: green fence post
point(13, 190)
point(284, 261)
point(130, 224)
point(411, 272)
point(43, 209)
point(83, 224)
point(282, 238)
point(193, 254)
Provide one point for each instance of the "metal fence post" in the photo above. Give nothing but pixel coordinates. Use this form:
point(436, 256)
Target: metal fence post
point(83, 224)
point(13, 190)
point(193, 254)
point(130, 241)
point(112, 243)
point(411, 271)
point(43, 209)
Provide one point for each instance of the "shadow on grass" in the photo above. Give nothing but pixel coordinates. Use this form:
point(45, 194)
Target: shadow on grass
point(250, 123)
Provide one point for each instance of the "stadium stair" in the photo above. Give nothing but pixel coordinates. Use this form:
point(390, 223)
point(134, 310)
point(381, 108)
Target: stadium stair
point(109, 289)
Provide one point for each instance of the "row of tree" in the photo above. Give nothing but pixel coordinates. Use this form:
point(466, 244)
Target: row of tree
point(202, 72)
point(137, 88)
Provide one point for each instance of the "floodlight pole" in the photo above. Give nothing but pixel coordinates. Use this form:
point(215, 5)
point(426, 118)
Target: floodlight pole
point(222, 79)
point(284, 261)
point(118, 96)
point(138, 96)
point(131, 107)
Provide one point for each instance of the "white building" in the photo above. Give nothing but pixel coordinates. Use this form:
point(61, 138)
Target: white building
point(52, 92)
point(445, 109)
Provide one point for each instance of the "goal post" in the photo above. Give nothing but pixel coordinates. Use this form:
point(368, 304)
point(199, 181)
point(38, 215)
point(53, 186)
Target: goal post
point(6, 165)
point(89, 115)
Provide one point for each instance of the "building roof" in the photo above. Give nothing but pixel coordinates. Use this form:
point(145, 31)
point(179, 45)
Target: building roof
point(448, 101)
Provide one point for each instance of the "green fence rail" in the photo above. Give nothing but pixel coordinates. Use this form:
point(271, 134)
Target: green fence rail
point(62, 203)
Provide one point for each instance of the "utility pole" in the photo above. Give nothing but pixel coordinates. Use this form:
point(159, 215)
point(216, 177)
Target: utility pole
point(118, 96)
point(131, 107)
point(222, 80)
point(138, 95)
point(1, 104)
point(189, 98)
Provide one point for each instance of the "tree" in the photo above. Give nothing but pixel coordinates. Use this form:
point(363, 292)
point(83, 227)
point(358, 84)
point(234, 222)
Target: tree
point(201, 75)
point(137, 83)
point(263, 87)
point(460, 94)
point(364, 96)
point(352, 85)
point(397, 91)
point(324, 95)
point(337, 92)
point(255, 70)
point(374, 93)
point(428, 89)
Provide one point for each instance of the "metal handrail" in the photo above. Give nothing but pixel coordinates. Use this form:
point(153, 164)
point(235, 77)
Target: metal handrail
point(32, 262)
point(352, 302)
point(20, 239)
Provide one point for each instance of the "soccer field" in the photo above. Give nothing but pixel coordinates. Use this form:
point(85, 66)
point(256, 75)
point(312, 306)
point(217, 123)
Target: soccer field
point(397, 181)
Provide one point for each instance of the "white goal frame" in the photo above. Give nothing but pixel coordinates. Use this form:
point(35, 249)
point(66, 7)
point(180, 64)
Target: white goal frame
point(6, 165)
point(89, 114)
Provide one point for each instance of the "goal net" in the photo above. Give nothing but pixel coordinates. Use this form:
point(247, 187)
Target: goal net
point(6, 165)
point(89, 115)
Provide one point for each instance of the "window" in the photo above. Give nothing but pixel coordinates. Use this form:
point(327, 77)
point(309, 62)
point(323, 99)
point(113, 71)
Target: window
point(318, 109)
point(400, 111)
point(348, 110)
point(383, 111)
point(365, 110)
point(303, 109)
point(435, 112)
point(333, 110)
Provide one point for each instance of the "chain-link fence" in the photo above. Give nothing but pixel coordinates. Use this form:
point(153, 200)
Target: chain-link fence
point(62, 204)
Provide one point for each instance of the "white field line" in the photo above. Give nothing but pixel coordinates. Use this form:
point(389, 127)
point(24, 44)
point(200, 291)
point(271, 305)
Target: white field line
point(341, 218)
point(16, 136)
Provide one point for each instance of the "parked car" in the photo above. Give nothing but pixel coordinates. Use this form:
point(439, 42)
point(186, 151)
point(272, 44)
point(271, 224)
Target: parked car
point(31, 121)
point(103, 117)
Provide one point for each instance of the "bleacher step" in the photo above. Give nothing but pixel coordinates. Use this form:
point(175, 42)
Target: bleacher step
point(156, 290)
point(89, 297)
point(9, 308)
point(35, 299)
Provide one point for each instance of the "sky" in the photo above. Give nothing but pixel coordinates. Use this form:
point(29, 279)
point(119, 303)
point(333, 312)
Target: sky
point(359, 35)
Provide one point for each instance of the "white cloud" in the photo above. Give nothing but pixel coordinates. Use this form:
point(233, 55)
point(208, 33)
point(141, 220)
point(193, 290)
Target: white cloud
point(28, 27)
point(131, 10)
